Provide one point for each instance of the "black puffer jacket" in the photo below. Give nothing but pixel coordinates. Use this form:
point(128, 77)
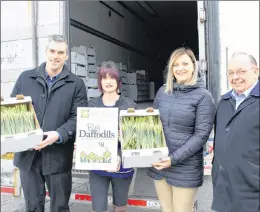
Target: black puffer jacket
point(187, 116)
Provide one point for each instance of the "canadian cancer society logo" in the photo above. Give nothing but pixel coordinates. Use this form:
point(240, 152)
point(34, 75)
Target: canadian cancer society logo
point(84, 113)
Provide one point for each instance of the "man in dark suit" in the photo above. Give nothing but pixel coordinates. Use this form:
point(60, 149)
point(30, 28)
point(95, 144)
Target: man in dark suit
point(56, 93)
point(235, 171)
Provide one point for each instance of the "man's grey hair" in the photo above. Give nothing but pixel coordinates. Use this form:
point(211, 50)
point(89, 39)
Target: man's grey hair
point(250, 57)
point(58, 39)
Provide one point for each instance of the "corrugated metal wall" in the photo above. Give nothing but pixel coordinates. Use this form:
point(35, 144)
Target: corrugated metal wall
point(25, 26)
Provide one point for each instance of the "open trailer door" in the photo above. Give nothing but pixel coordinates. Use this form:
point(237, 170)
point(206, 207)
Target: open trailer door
point(209, 45)
point(23, 38)
point(209, 58)
point(202, 39)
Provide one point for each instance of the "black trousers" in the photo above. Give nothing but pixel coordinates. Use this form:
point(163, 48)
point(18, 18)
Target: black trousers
point(99, 186)
point(33, 184)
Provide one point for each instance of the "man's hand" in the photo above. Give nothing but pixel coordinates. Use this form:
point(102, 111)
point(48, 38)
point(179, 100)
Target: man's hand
point(163, 164)
point(118, 165)
point(52, 137)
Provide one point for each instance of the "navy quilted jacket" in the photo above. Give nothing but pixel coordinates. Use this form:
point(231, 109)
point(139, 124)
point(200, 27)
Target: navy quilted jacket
point(187, 115)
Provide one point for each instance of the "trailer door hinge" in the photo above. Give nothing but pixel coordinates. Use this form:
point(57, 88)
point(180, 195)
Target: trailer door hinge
point(203, 66)
point(202, 15)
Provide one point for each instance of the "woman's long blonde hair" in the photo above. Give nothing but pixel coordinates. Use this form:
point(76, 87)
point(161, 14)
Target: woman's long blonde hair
point(174, 56)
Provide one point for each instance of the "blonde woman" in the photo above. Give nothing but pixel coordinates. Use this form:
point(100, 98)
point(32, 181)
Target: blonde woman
point(187, 112)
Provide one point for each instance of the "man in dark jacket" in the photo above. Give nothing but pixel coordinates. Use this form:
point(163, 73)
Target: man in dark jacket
point(235, 171)
point(56, 93)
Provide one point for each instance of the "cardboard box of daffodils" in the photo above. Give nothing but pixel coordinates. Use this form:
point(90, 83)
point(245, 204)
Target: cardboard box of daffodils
point(20, 129)
point(142, 137)
point(96, 138)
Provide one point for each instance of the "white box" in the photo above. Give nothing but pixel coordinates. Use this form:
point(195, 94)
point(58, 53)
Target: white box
point(91, 51)
point(151, 91)
point(92, 83)
point(131, 77)
point(142, 72)
point(92, 75)
point(133, 91)
point(78, 59)
point(80, 49)
point(85, 80)
point(124, 68)
point(92, 68)
point(123, 74)
point(134, 78)
point(119, 66)
point(22, 141)
point(124, 93)
point(96, 138)
point(91, 60)
point(124, 80)
point(79, 70)
point(141, 157)
point(93, 93)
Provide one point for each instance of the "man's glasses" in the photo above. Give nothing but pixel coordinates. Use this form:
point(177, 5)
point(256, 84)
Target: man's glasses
point(240, 72)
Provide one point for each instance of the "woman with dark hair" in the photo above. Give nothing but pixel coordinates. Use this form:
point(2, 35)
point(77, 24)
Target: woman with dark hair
point(109, 84)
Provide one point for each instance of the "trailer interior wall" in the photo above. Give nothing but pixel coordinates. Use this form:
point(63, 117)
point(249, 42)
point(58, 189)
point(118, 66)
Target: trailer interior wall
point(155, 37)
point(125, 29)
point(179, 21)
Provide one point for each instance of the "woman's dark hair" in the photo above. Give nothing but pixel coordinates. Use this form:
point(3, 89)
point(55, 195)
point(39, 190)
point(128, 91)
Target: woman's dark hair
point(109, 69)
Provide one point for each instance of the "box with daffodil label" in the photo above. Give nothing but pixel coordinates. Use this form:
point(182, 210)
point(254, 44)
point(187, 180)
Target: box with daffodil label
point(142, 137)
point(20, 129)
point(96, 139)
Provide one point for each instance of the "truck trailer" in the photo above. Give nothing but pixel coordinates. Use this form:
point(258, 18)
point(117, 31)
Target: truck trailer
point(137, 35)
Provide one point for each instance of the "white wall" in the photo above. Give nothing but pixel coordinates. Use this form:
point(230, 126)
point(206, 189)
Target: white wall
point(239, 31)
point(128, 30)
point(16, 37)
